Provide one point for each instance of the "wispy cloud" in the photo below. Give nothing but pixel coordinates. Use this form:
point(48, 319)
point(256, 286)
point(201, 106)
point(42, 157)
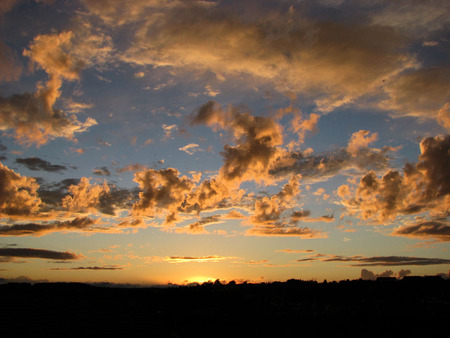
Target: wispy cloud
point(195, 259)
point(377, 260)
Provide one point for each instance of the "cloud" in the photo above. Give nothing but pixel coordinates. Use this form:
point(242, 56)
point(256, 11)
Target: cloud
point(94, 268)
point(370, 275)
point(356, 157)
point(195, 259)
point(10, 69)
point(32, 115)
point(115, 12)
point(168, 131)
point(189, 149)
point(422, 93)
point(18, 194)
point(283, 230)
point(301, 126)
point(256, 139)
point(35, 163)
point(384, 260)
point(38, 253)
point(296, 251)
point(234, 214)
point(132, 167)
point(7, 5)
point(76, 107)
point(268, 211)
point(330, 59)
point(416, 18)
point(160, 190)
point(421, 187)
point(323, 219)
point(34, 120)
point(199, 226)
point(80, 196)
point(360, 140)
point(334, 62)
point(437, 230)
point(39, 229)
point(51, 53)
point(402, 273)
point(102, 171)
point(52, 193)
point(269, 215)
point(211, 194)
point(85, 197)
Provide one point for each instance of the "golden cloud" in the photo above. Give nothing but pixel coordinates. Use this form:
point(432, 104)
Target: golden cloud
point(421, 187)
point(18, 194)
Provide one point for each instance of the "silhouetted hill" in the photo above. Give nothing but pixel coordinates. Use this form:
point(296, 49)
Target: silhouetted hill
point(286, 309)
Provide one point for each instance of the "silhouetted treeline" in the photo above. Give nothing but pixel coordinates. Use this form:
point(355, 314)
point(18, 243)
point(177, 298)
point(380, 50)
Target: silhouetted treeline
point(418, 306)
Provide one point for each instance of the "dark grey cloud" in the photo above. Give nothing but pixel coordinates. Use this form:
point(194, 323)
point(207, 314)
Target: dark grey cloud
point(387, 260)
point(38, 253)
point(52, 193)
point(35, 163)
point(95, 268)
point(439, 230)
point(37, 229)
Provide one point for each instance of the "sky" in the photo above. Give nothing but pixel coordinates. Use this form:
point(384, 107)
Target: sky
point(153, 142)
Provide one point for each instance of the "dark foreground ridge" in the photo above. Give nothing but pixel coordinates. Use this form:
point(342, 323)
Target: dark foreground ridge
point(295, 308)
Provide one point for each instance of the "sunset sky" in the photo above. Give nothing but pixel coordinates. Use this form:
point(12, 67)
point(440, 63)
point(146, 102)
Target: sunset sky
point(154, 142)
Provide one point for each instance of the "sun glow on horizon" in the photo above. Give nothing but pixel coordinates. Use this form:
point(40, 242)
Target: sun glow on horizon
point(198, 279)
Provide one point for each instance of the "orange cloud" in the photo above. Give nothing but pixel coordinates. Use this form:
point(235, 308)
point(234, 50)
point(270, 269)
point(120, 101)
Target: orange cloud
point(195, 259)
point(422, 187)
point(287, 50)
point(256, 139)
point(360, 140)
point(199, 226)
point(132, 167)
point(18, 194)
point(32, 116)
point(116, 12)
point(423, 93)
point(268, 220)
point(268, 211)
point(295, 251)
point(285, 231)
point(85, 196)
point(160, 190)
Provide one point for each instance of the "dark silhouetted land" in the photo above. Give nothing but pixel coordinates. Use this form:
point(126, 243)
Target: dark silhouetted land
point(295, 308)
